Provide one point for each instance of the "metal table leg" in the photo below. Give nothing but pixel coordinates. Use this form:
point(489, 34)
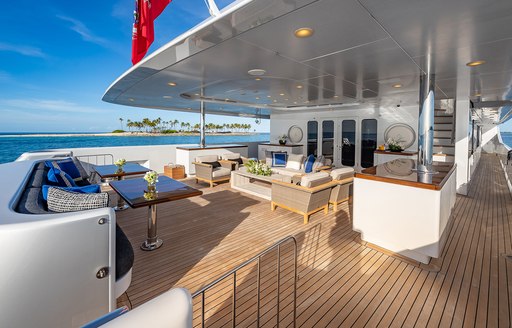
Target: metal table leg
point(121, 205)
point(152, 242)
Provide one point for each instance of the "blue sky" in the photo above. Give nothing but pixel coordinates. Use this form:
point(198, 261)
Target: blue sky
point(57, 58)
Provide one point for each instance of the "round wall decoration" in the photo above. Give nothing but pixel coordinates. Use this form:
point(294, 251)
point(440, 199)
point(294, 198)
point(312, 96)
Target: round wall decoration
point(295, 134)
point(402, 132)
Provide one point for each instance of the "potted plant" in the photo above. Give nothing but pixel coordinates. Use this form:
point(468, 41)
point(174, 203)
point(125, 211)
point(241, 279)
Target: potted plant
point(151, 178)
point(258, 168)
point(282, 139)
point(395, 145)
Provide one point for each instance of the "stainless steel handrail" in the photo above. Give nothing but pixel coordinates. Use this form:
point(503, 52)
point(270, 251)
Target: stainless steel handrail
point(257, 258)
point(86, 159)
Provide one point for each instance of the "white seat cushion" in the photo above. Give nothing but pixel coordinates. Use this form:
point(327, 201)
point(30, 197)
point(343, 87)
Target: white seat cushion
point(287, 172)
point(221, 172)
point(207, 158)
point(342, 173)
point(315, 179)
point(295, 161)
point(230, 156)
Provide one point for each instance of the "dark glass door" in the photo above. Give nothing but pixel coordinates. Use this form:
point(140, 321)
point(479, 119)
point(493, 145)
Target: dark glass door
point(328, 140)
point(348, 139)
point(368, 141)
point(312, 138)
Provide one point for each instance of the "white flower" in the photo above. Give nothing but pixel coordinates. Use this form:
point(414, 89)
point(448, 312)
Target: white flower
point(120, 162)
point(151, 177)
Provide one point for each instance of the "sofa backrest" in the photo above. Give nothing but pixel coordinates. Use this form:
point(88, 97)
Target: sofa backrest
point(230, 156)
point(342, 173)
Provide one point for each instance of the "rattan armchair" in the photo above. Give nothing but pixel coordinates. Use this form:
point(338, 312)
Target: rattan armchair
point(301, 200)
point(205, 171)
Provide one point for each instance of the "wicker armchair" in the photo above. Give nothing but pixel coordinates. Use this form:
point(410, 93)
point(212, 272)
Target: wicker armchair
point(207, 172)
point(302, 200)
point(344, 178)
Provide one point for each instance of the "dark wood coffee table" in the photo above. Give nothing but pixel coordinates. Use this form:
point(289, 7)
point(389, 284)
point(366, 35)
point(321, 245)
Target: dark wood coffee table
point(112, 172)
point(134, 192)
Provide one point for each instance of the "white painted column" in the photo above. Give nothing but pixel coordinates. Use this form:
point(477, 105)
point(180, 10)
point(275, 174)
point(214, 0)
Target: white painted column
point(462, 112)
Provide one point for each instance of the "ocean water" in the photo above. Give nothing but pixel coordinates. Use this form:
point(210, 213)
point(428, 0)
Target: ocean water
point(12, 146)
point(507, 138)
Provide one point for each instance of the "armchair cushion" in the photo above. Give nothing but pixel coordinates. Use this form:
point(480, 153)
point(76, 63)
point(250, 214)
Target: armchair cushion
point(221, 172)
point(230, 156)
point(342, 173)
point(315, 179)
point(66, 165)
point(87, 189)
point(207, 158)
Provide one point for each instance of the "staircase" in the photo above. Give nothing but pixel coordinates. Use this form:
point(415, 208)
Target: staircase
point(444, 147)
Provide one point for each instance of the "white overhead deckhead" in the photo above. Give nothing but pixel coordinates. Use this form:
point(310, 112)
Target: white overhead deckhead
point(361, 54)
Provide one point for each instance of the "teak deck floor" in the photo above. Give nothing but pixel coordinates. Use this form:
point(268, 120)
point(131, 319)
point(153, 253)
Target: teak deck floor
point(341, 282)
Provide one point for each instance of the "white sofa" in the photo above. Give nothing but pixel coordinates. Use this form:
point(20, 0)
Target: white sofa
point(50, 261)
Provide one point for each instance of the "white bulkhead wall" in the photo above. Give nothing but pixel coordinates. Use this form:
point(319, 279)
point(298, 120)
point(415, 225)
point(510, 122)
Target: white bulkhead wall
point(385, 116)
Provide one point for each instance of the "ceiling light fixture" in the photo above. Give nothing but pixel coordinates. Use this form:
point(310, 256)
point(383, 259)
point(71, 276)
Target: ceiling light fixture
point(299, 87)
point(256, 72)
point(336, 96)
point(397, 85)
point(167, 97)
point(131, 99)
point(258, 79)
point(475, 63)
point(304, 32)
point(281, 94)
point(172, 84)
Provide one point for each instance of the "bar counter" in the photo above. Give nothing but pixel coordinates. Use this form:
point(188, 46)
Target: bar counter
point(403, 171)
point(403, 211)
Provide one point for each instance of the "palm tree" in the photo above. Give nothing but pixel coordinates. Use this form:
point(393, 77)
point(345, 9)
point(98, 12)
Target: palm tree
point(129, 124)
point(121, 120)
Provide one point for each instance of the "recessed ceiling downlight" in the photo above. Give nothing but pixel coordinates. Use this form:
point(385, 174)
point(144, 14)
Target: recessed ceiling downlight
point(172, 84)
point(304, 32)
point(397, 85)
point(475, 63)
point(256, 72)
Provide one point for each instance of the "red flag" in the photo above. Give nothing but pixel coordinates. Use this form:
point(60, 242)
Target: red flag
point(146, 11)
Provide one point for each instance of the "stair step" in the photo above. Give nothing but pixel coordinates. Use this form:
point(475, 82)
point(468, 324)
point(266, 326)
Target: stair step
point(443, 119)
point(443, 142)
point(444, 150)
point(444, 158)
point(442, 134)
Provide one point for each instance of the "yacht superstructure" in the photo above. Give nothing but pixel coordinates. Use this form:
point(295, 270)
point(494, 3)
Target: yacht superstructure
point(339, 78)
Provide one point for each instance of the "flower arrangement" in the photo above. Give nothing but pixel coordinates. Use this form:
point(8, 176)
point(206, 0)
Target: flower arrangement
point(120, 162)
point(282, 139)
point(150, 195)
point(151, 177)
point(258, 168)
point(395, 144)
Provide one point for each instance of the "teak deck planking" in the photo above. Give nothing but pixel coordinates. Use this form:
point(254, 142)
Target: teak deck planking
point(341, 281)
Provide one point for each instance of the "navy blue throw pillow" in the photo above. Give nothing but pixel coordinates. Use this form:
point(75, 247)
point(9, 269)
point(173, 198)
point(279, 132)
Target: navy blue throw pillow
point(90, 189)
point(67, 165)
point(213, 164)
point(60, 178)
point(308, 166)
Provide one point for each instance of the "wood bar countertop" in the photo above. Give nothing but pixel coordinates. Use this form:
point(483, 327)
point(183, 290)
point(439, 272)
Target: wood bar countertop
point(401, 153)
point(403, 172)
point(189, 148)
point(285, 145)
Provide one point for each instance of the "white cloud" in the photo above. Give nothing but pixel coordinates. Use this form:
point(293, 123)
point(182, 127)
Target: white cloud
point(46, 105)
point(84, 32)
point(22, 50)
